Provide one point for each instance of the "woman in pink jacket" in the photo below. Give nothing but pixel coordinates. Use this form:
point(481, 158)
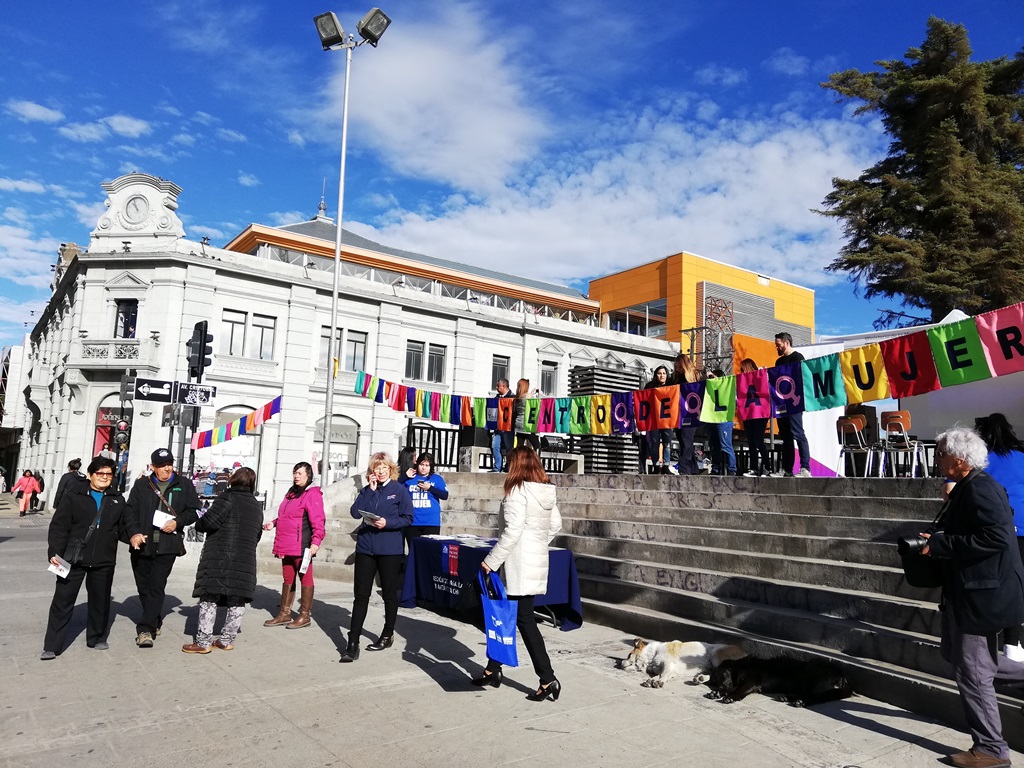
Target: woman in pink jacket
point(29, 487)
point(300, 526)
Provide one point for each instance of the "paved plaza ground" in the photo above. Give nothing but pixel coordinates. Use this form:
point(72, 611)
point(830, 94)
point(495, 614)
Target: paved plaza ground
point(281, 699)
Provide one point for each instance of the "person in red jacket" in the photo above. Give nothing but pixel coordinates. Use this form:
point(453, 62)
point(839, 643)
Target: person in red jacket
point(300, 526)
point(29, 487)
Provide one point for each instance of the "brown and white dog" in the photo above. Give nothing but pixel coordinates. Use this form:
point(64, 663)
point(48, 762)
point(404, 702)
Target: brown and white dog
point(663, 661)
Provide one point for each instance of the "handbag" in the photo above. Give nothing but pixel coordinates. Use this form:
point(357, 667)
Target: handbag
point(499, 620)
point(170, 510)
point(920, 570)
point(74, 551)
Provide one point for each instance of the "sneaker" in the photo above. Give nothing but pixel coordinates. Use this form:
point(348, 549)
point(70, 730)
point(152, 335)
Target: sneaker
point(673, 469)
point(751, 473)
point(1014, 653)
point(144, 640)
point(47, 656)
point(781, 474)
point(805, 472)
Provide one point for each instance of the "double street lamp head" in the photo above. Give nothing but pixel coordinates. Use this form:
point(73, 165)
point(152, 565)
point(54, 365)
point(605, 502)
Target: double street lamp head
point(371, 28)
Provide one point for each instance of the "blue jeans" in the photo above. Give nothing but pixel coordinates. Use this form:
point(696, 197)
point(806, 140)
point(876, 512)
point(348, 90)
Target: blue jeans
point(723, 457)
point(496, 451)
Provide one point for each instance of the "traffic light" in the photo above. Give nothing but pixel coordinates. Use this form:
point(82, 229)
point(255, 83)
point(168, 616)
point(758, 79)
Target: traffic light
point(122, 433)
point(200, 347)
point(127, 388)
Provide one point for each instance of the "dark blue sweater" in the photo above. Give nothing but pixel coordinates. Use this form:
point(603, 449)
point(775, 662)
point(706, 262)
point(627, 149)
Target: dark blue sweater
point(392, 502)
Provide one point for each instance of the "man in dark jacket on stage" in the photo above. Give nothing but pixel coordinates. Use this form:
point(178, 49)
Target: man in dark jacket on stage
point(982, 591)
point(160, 507)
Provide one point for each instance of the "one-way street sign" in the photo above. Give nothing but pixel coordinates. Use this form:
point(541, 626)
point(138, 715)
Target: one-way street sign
point(154, 389)
point(195, 394)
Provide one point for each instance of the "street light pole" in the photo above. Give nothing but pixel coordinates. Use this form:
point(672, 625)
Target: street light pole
point(332, 351)
point(332, 37)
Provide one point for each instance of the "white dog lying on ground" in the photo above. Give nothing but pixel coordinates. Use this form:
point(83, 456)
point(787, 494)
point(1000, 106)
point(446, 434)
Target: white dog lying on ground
point(663, 661)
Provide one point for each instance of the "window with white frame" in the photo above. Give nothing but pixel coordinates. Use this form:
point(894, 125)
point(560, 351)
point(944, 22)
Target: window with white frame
point(232, 340)
point(425, 362)
point(499, 369)
point(355, 351)
point(261, 339)
point(548, 379)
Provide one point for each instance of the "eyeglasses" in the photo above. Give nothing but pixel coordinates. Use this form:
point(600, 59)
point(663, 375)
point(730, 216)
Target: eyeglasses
point(103, 474)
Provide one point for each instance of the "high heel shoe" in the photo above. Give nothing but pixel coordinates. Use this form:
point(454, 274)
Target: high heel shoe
point(492, 679)
point(550, 691)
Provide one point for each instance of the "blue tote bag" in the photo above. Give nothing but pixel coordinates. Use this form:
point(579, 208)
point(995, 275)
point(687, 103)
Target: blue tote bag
point(499, 620)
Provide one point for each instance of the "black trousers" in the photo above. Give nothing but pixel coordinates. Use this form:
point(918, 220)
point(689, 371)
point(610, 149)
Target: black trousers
point(526, 623)
point(151, 580)
point(367, 568)
point(98, 581)
point(791, 430)
point(413, 531)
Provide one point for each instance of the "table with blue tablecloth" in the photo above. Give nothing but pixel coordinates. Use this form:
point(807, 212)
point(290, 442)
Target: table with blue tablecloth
point(438, 569)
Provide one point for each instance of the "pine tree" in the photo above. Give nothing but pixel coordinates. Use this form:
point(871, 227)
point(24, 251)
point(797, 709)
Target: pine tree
point(939, 222)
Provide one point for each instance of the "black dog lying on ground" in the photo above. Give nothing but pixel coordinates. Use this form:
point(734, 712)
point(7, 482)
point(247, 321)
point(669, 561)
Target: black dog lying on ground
point(796, 682)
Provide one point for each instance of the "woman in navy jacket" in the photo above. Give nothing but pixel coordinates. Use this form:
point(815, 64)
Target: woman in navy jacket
point(81, 506)
point(380, 547)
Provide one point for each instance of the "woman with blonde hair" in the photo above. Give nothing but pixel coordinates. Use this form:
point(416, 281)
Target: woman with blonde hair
point(685, 372)
point(760, 456)
point(385, 507)
point(519, 416)
point(530, 520)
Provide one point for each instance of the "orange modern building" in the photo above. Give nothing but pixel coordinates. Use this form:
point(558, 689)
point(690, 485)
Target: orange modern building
point(717, 312)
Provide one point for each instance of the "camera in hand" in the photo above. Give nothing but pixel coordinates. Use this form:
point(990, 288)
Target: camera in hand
point(911, 545)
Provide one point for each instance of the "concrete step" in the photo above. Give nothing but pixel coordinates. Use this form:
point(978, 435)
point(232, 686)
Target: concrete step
point(856, 577)
point(930, 695)
point(919, 616)
point(899, 508)
point(761, 542)
point(850, 636)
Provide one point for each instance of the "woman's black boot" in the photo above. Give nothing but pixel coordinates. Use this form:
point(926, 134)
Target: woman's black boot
point(351, 653)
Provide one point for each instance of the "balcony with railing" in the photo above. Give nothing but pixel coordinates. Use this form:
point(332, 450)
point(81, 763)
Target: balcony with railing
point(113, 354)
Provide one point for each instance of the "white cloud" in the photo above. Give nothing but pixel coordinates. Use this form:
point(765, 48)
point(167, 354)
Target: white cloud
point(84, 132)
point(21, 185)
point(130, 127)
point(25, 258)
point(280, 218)
point(786, 61)
point(210, 232)
point(17, 216)
point(205, 118)
point(89, 213)
point(30, 112)
point(725, 77)
point(296, 138)
point(185, 139)
point(247, 180)
point(462, 114)
point(740, 192)
point(227, 134)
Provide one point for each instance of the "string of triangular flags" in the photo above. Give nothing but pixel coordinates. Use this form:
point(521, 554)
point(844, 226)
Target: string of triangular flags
point(242, 426)
point(973, 349)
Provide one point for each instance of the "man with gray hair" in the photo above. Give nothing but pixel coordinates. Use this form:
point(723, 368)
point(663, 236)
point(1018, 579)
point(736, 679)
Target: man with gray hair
point(982, 590)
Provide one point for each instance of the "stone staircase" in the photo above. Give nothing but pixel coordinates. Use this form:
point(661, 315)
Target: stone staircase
point(795, 566)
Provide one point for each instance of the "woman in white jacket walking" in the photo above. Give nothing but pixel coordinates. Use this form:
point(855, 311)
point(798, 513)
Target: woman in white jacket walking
point(530, 521)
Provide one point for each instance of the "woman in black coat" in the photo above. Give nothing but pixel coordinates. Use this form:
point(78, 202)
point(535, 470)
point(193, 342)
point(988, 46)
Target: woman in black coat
point(89, 519)
point(227, 566)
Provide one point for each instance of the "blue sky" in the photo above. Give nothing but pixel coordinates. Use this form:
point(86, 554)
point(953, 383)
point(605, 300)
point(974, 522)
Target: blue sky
point(558, 141)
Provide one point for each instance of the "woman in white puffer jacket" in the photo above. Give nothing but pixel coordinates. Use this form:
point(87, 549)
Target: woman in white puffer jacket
point(530, 521)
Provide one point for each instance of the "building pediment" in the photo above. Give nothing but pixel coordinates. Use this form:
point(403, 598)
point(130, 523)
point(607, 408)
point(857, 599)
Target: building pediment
point(126, 283)
point(550, 349)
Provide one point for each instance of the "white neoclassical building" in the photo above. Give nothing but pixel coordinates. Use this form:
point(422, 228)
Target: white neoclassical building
point(129, 302)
